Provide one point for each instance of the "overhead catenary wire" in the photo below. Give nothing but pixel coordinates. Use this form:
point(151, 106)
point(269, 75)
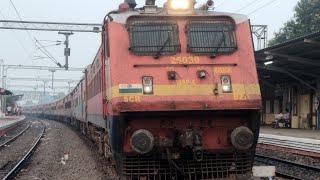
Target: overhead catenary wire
point(20, 42)
point(44, 50)
point(16, 10)
point(47, 53)
point(247, 5)
point(221, 4)
point(262, 7)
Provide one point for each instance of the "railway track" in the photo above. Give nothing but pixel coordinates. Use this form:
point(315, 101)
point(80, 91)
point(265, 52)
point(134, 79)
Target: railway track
point(10, 169)
point(15, 137)
point(288, 169)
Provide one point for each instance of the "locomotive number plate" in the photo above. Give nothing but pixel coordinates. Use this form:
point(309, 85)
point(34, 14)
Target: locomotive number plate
point(185, 60)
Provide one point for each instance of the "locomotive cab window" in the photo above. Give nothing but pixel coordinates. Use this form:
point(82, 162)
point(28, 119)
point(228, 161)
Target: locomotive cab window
point(154, 38)
point(211, 37)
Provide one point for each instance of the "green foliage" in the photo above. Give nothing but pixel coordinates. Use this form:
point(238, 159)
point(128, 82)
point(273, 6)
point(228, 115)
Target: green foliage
point(306, 20)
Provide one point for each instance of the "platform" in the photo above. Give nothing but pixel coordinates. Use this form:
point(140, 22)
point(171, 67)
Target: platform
point(292, 139)
point(9, 122)
point(298, 133)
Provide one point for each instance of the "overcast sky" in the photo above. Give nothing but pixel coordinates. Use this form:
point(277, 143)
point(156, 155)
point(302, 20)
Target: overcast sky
point(17, 47)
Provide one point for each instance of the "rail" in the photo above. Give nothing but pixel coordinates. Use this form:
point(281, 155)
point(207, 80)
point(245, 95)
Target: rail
point(264, 159)
point(15, 137)
point(17, 167)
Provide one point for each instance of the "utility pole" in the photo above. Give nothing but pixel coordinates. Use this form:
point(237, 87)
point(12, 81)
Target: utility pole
point(4, 75)
point(69, 82)
point(67, 49)
point(2, 104)
point(44, 89)
point(2, 66)
point(53, 71)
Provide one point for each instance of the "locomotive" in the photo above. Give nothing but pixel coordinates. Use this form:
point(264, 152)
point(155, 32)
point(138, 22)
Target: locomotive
point(172, 93)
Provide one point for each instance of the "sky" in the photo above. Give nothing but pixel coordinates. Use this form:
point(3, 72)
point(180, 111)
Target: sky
point(18, 47)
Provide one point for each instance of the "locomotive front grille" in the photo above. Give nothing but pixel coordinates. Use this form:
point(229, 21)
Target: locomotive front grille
point(213, 166)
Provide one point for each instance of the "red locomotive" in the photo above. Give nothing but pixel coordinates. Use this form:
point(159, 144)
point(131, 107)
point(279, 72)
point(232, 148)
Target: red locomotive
point(172, 93)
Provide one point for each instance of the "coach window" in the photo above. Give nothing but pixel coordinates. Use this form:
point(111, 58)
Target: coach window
point(211, 37)
point(154, 38)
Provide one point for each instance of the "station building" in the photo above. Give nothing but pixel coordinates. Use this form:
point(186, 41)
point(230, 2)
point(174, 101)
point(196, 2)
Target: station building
point(289, 76)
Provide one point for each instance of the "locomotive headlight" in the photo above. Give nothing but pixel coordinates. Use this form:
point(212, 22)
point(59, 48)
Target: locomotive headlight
point(150, 2)
point(147, 82)
point(180, 4)
point(147, 89)
point(225, 88)
point(226, 84)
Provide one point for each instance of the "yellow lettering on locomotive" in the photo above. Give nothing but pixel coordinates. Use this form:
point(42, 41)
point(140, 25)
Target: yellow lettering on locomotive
point(240, 97)
point(222, 70)
point(137, 99)
point(186, 82)
point(185, 60)
point(170, 68)
point(131, 99)
point(201, 68)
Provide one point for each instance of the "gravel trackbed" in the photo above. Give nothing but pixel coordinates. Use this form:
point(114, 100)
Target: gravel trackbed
point(64, 154)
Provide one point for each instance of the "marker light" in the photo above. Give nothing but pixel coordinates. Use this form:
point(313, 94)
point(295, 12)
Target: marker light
point(225, 88)
point(226, 84)
point(150, 2)
point(147, 82)
point(268, 63)
point(180, 4)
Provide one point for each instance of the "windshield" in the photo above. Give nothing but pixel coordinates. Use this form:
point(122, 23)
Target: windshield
point(210, 37)
point(156, 39)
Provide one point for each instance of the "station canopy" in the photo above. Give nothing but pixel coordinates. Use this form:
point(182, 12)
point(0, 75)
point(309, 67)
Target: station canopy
point(5, 92)
point(295, 61)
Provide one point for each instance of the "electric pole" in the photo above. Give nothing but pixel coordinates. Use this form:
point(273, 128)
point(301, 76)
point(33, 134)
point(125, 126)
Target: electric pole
point(2, 66)
point(4, 76)
point(69, 82)
point(53, 71)
point(67, 49)
point(44, 88)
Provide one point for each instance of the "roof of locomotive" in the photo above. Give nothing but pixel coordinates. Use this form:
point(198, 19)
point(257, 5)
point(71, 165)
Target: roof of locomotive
point(121, 17)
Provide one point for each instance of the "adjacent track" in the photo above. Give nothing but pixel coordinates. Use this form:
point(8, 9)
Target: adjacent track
point(21, 163)
point(15, 137)
point(269, 160)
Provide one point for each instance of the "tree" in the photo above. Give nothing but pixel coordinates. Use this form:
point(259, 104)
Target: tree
point(306, 20)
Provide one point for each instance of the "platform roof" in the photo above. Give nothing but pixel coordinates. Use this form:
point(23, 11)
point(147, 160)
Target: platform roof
point(294, 61)
point(5, 92)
